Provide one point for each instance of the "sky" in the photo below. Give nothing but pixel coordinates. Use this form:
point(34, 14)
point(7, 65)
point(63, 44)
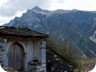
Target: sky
point(12, 8)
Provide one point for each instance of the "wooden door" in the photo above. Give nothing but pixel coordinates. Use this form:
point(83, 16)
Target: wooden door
point(16, 57)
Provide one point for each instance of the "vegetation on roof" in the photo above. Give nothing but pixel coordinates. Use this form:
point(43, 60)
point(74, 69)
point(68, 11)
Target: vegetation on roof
point(67, 52)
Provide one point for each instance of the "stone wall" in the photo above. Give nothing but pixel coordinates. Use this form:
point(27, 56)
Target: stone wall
point(32, 50)
point(1, 41)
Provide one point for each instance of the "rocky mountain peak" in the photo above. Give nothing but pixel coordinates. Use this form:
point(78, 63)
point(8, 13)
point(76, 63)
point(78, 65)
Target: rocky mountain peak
point(67, 26)
point(36, 8)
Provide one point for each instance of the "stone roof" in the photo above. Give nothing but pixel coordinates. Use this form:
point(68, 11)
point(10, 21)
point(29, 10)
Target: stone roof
point(20, 32)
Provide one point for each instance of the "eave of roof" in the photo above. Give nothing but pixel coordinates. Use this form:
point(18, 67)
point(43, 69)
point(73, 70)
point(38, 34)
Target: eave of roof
point(20, 32)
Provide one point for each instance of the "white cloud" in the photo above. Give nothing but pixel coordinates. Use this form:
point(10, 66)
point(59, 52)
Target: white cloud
point(5, 20)
point(12, 8)
point(73, 4)
point(2, 1)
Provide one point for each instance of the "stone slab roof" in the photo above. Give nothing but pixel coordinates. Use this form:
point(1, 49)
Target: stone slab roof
point(20, 32)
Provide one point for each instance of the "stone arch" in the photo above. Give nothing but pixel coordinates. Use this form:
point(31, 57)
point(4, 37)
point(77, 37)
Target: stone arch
point(20, 43)
point(23, 45)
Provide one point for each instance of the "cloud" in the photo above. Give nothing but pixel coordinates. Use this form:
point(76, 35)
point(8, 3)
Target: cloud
point(12, 7)
point(4, 20)
point(61, 1)
point(88, 5)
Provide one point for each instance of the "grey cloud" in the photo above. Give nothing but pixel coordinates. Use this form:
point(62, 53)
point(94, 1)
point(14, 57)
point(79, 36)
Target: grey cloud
point(61, 1)
point(11, 7)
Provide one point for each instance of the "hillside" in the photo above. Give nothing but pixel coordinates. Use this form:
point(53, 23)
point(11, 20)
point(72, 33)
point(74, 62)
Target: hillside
point(71, 27)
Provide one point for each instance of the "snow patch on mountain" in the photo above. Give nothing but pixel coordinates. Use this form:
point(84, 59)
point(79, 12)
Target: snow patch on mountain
point(93, 37)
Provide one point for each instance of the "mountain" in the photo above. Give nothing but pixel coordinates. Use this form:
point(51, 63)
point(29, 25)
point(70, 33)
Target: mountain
point(73, 27)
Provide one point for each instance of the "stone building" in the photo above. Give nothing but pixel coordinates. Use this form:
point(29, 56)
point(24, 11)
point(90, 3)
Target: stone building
point(22, 49)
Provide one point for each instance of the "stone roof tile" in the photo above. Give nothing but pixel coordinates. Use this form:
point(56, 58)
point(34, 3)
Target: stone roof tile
point(24, 32)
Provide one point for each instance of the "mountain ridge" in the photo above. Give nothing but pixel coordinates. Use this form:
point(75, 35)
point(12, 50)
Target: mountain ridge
point(67, 26)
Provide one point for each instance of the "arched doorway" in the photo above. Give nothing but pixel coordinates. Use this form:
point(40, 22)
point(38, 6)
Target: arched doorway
point(16, 57)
